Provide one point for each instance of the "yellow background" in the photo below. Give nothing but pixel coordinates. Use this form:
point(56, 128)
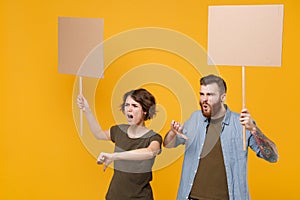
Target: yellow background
point(42, 156)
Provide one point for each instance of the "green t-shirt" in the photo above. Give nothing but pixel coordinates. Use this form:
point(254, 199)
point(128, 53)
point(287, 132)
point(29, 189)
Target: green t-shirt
point(210, 181)
point(131, 179)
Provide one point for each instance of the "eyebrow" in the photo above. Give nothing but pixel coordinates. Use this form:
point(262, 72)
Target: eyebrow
point(208, 93)
point(134, 104)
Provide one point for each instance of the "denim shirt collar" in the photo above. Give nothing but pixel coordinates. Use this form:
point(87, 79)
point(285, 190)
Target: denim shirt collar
point(227, 115)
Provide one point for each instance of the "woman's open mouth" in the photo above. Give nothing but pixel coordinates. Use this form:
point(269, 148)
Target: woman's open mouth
point(129, 116)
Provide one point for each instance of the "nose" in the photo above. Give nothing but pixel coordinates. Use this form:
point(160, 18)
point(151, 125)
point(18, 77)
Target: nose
point(204, 97)
point(129, 108)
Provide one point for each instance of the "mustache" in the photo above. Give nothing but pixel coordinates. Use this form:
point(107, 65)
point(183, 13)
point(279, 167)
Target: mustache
point(204, 103)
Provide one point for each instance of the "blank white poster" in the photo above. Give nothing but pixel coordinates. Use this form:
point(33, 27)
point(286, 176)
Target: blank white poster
point(245, 35)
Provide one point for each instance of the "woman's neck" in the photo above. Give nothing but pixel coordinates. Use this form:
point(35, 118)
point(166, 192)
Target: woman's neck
point(136, 131)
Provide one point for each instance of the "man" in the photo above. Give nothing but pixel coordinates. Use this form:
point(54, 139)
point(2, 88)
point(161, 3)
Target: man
point(215, 164)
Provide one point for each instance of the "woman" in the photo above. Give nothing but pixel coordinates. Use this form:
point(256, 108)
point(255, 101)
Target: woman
point(135, 146)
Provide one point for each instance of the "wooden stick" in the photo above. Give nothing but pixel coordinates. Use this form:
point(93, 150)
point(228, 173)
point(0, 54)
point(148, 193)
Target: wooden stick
point(81, 112)
point(244, 103)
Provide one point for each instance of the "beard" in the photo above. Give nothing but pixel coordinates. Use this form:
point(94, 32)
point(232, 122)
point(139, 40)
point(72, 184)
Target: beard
point(206, 109)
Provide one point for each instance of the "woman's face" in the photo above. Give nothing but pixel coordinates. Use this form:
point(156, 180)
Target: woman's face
point(134, 112)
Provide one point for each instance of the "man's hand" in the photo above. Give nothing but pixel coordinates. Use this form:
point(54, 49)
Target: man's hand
point(177, 128)
point(247, 121)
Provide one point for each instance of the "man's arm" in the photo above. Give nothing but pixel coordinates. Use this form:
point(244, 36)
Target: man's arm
point(170, 138)
point(266, 146)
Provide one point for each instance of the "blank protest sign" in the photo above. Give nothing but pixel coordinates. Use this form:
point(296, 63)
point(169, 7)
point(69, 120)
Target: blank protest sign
point(245, 35)
point(249, 35)
point(80, 49)
point(77, 37)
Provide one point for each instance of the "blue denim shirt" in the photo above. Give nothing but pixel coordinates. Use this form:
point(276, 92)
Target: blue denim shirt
point(235, 158)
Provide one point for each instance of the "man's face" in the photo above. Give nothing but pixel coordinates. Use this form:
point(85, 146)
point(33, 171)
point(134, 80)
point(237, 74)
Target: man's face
point(210, 100)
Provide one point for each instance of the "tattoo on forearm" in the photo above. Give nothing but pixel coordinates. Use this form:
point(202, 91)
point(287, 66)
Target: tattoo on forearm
point(267, 147)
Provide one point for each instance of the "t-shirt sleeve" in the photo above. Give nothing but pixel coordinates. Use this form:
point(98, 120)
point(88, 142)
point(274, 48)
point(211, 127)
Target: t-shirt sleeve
point(157, 138)
point(113, 133)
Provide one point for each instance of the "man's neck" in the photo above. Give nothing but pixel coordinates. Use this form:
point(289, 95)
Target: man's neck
point(221, 113)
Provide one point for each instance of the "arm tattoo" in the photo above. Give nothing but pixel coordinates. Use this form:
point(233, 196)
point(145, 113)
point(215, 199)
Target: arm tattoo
point(267, 147)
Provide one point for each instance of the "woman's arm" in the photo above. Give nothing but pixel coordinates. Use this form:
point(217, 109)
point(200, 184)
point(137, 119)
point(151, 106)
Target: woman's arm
point(93, 123)
point(138, 154)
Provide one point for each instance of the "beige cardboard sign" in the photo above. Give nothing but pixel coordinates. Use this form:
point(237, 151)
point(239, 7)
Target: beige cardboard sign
point(245, 35)
point(77, 42)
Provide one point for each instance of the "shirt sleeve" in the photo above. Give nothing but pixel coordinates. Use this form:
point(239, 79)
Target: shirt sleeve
point(113, 133)
point(158, 138)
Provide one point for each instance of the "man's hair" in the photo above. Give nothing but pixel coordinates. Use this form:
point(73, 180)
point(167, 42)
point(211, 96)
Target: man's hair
point(206, 80)
point(145, 99)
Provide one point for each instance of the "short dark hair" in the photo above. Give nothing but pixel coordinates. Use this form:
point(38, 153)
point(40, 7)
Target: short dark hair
point(209, 79)
point(145, 99)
